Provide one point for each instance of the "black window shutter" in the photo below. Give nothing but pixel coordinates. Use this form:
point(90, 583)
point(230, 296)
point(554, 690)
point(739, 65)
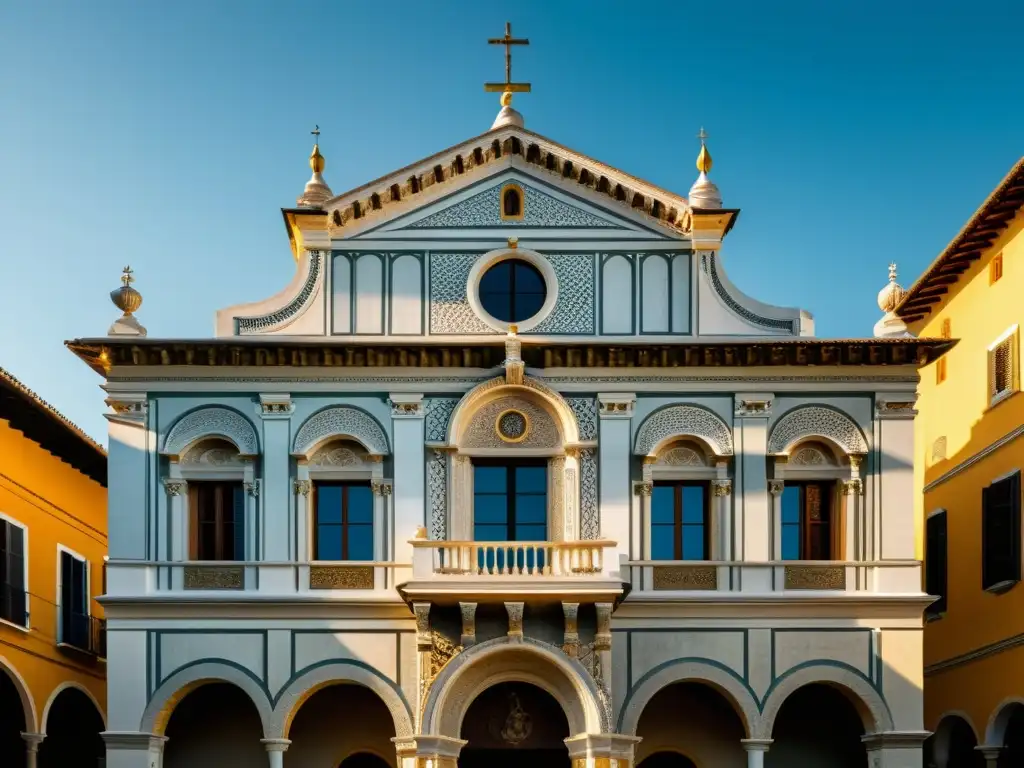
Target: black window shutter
point(1012, 484)
point(238, 518)
point(1001, 532)
point(936, 578)
point(66, 590)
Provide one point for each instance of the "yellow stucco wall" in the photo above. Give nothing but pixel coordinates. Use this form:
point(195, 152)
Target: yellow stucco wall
point(59, 506)
point(958, 410)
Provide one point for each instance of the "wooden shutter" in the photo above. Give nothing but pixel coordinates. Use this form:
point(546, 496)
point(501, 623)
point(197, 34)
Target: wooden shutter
point(238, 510)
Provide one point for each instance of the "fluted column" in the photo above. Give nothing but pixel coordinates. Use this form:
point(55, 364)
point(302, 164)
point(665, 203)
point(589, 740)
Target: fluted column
point(275, 751)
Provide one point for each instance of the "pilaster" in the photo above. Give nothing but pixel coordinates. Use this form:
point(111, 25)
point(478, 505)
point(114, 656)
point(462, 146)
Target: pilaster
point(130, 442)
point(615, 411)
point(275, 409)
point(895, 450)
point(127, 749)
point(753, 517)
point(409, 498)
point(895, 749)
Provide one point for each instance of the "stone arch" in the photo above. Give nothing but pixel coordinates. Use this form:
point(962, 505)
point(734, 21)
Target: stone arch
point(816, 422)
point(871, 707)
point(668, 424)
point(715, 676)
point(995, 731)
point(63, 687)
point(213, 421)
point(942, 736)
point(501, 660)
point(531, 389)
point(301, 687)
point(340, 422)
point(28, 704)
point(190, 677)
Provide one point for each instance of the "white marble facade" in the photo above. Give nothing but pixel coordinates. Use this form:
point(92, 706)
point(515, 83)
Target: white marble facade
point(641, 367)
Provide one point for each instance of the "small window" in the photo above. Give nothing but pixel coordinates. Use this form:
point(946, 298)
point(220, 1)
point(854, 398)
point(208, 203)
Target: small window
point(995, 268)
point(936, 554)
point(1003, 368)
point(807, 529)
point(13, 596)
point(512, 291)
point(74, 600)
point(512, 202)
point(343, 529)
point(679, 521)
point(1000, 533)
point(217, 515)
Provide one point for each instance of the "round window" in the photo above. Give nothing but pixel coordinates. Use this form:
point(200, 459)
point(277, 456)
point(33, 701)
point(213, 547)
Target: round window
point(512, 291)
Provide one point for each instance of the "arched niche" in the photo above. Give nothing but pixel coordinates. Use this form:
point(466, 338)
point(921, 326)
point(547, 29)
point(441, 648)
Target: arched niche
point(819, 423)
point(670, 424)
point(212, 422)
point(340, 421)
point(499, 423)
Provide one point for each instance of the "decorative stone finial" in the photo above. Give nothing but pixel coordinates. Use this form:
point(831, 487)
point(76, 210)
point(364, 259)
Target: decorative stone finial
point(316, 192)
point(507, 115)
point(704, 193)
point(128, 300)
point(513, 243)
point(891, 326)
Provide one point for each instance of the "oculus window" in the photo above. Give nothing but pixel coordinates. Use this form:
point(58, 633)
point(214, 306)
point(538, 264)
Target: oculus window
point(679, 521)
point(512, 291)
point(344, 521)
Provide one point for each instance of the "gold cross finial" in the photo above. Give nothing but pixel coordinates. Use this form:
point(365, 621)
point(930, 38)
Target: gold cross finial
point(704, 158)
point(702, 135)
point(508, 87)
point(316, 134)
point(892, 272)
point(127, 278)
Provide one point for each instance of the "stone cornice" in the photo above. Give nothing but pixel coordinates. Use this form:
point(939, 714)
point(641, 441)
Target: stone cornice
point(275, 354)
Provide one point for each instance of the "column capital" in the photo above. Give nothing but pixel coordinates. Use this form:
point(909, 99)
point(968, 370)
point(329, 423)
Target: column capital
point(611, 745)
point(33, 740)
point(276, 745)
point(132, 740)
point(129, 408)
point(895, 405)
point(276, 405)
point(515, 620)
point(753, 404)
point(988, 751)
point(422, 745)
point(722, 487)
point(174, 486)
point(616, 405)
point(406, 406)
point(775, 487)
point(894, 740)
point(756, 745)
point(468, 614)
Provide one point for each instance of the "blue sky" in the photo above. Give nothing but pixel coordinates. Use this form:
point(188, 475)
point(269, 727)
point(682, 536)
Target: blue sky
point(169, 135)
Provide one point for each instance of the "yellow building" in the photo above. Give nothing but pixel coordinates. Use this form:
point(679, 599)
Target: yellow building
point(969, 457)
point(53, 541)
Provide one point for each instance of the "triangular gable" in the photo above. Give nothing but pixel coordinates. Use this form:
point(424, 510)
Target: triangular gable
point(540, 210)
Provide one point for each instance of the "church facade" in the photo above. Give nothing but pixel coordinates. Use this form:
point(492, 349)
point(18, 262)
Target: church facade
point(511, 471)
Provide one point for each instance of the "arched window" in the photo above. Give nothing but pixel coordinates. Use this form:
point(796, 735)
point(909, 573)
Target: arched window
point(512, 202)
point(512, 291)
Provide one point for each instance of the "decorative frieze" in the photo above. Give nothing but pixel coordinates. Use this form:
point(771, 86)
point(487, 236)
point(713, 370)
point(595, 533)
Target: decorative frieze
point(815, 577)
point(341, 577)
point(515, 620)
point(685, 577)
point(214, 577)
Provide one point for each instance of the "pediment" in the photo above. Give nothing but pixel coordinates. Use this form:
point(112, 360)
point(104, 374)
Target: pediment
point(585, 192)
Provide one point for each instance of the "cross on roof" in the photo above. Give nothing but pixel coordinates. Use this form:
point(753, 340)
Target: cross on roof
point(316, 133)
point(508, 41)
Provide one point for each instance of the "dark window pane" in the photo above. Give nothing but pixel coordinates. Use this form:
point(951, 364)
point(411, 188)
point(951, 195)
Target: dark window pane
point(663, 545)
point(360, 542)
point(531, 479)
point(207, 540)
point(526, 306)
point(820, 543)
point(663, 504)
point(328, 542)
point(490, 509)
point(790, 542)
point(791, 504)
point(328, 503)
point(497, 279)
point(531, 509)
point(531, 533)
point(489, 479)
point(498, 305)
point(693, 542)
point(528, 279)
point(490, 532)
point(360, 504)
point(693, 504)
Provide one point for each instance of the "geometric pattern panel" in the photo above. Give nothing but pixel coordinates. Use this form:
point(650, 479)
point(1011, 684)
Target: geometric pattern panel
point(213, 422)
point(438, 412)
point(538, 429)
point(540, 210)
point(437, 493)
point(341, 421)
point(683, 421)
point(574, 312)
point(590, 516)
point(585, 409)
point(816, 421)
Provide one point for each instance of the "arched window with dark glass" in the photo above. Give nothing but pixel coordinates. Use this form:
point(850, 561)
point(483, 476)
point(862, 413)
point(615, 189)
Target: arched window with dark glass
point(511, 203)
point(679, 521)
point(512, 291)
point(344, 521)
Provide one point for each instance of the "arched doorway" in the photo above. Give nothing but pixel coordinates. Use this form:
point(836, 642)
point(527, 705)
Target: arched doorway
point(953, 745)
point(817, 727)
point(689, 724)
point(1012, 755)
point(215, 725)
point(342, 724)
point(73, 727)
point(12, 723)
point(511, 725)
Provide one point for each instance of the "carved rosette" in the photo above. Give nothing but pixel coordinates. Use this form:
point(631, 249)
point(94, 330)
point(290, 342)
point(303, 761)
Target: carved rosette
point(515, 620)
point(468, 611)
point(571, 638)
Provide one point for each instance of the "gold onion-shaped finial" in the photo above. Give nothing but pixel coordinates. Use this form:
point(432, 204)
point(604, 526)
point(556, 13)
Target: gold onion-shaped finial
point(316, 160)
point(704, 158)
point(126, 298)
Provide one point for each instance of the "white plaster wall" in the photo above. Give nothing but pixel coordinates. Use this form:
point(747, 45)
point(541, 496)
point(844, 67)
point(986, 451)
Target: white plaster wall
point(129, 454)
point(617, 295)
point(681, 300)
point(376, 649)
point(126, 677)
point(178, 649)
point(655, 288)
point(369, 293)
point(407, 295)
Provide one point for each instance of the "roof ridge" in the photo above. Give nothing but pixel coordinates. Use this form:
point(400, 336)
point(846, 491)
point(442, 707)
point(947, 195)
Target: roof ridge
point(13, 381)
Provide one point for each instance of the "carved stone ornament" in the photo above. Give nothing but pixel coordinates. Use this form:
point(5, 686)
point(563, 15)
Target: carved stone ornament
point(302, 487)
point(422, 613)
point(761, 406)
point(853, 487)
point(212, 454)
point(340, 422)
point(273, 321)
point(276, 405)
point(213, 421)
point(518, 725)
point(812, 421)
point(809, 456)
point(775, 487)
point(682, 456)
point(511, 420)
point(644, 489)
point(722, 487)
point(175, 487)
point(901, 408)
point(611, 406)
point(381, 489)
point(341, 577)
point(685, 577)
point(603, 636)
point(128, 409)
point(340, 455)
point(815, 577)
point(515, 620)
point(571, 636)
point(252, 488)
point(468, 612)
point(679, 421)
point(412, 408)
point(214, 577)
